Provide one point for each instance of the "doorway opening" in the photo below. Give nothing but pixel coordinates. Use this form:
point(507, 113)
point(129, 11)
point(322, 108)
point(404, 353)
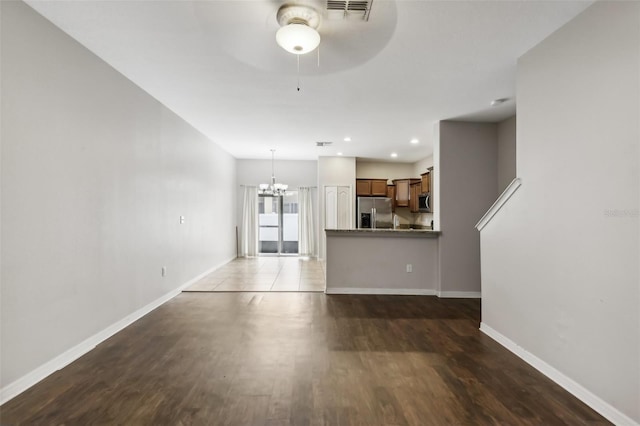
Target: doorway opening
point(278, 224)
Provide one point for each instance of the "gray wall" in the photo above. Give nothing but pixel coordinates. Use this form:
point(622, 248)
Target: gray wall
point(392, 170)
point(367, 264)
point(560, 259)
point(467, 188)
point(506, 152)
point(383, 170)
point(422, 166)
point(95, 174)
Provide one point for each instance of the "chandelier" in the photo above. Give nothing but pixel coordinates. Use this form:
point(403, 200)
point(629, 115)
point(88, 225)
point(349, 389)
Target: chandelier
point(273, 188)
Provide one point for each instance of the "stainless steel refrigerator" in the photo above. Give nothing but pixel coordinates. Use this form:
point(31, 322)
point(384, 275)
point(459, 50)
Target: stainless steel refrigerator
point(374, 213)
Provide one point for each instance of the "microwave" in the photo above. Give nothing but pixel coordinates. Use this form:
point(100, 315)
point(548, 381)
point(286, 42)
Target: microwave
point(424, 203)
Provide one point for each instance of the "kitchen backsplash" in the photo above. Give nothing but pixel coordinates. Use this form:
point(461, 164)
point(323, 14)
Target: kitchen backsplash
point(423, 218)
point(408, 218)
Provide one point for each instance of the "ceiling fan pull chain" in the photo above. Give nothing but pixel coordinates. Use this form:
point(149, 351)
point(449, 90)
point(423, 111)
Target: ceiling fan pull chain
point(318, 56)
point(298, 57)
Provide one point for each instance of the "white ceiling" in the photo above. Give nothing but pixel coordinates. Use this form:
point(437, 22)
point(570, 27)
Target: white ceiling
point(381, 82)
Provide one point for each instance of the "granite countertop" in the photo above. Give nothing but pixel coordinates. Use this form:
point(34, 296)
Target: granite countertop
point(384, 232)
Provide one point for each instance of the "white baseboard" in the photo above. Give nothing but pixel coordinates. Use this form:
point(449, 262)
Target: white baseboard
point(459, 294)
point(605, 409)
point(405, 292)
point(25, 382)
point(387, 291)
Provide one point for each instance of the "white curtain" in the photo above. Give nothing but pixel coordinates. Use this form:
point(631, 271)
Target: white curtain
point(306, 231)
point(249, 227)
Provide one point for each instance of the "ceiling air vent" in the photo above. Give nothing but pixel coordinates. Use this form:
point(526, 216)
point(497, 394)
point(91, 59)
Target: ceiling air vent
point(349, 9)
point(323, 143)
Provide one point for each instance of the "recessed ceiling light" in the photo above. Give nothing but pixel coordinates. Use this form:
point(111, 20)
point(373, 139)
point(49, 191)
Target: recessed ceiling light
point(347, 139)
point(394, 154)
point(415, 141)
point(497, 102)
point(339, 153)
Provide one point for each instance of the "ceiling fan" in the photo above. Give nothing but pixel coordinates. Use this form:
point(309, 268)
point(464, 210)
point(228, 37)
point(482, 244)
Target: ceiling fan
point(298, 28)
point(270, 34)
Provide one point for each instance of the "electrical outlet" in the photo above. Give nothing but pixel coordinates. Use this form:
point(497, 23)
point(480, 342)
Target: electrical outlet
point(182, 220)
point(409, 267)
point(163, 272)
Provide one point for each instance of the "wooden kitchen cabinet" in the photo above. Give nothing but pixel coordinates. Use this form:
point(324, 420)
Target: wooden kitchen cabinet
point(363, 187)
point(403, 191)
point(379, 187)
point(414, 191)
point(391, 193)
point(371, 187)
point(425, 184)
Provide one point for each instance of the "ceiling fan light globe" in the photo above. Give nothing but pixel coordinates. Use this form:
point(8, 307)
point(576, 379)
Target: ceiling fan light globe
point(298, 38)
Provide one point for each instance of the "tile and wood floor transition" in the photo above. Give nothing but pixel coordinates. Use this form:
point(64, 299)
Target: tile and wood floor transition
point(300, 359)
point(265, 274)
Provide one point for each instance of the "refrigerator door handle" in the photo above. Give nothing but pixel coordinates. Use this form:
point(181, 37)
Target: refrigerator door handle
point(375, 218)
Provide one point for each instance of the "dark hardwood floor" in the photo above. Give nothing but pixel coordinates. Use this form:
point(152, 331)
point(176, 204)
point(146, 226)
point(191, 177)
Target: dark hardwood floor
point(300, 359)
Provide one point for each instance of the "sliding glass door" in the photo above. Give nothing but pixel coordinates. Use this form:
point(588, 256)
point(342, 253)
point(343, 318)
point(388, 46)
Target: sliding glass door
point(269, 224)
point(278, 224)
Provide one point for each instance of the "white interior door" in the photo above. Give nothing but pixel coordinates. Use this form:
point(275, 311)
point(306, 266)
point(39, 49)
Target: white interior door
point(337, 207)
point(343, 207)
point(331, 207)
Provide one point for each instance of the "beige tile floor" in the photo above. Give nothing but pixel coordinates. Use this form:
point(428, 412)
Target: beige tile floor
point(265, 274)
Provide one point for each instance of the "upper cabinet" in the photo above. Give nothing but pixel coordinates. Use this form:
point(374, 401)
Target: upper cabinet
point(371, 187)
point(403, 191)
point(363, 187)
point(391, 193)
point(379, 187)
point(425, 184)
point(415, 189)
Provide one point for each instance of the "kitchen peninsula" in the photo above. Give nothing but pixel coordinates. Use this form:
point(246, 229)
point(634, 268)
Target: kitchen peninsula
point(382, 261)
